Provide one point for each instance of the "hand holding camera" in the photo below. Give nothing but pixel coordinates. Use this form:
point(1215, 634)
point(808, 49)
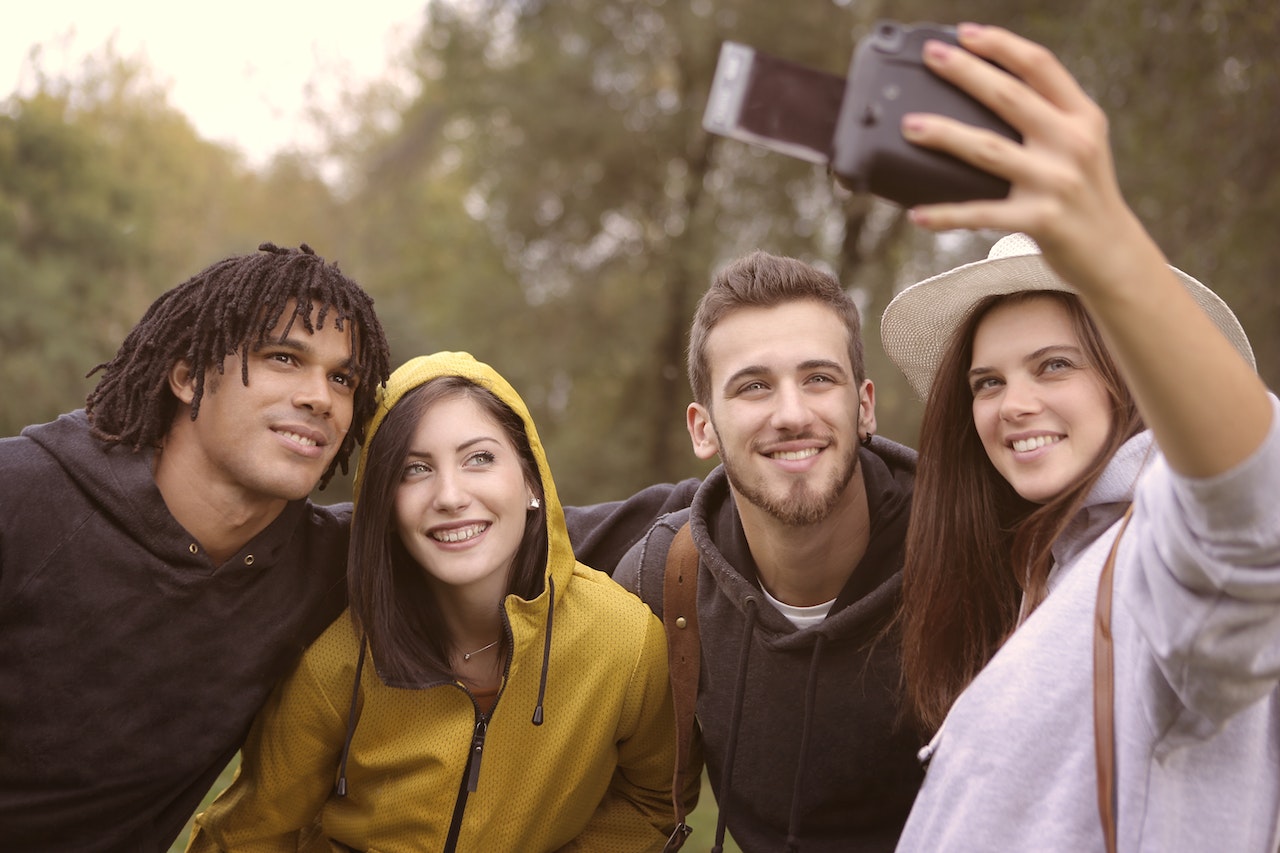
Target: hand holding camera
point(854, 124)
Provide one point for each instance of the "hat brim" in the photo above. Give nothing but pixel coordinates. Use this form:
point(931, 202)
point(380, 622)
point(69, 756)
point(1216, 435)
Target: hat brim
point(919, 323)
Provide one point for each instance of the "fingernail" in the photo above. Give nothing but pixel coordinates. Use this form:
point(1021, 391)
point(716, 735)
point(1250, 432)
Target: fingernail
point(968, 29)
point(938, 50)
point(912, 125)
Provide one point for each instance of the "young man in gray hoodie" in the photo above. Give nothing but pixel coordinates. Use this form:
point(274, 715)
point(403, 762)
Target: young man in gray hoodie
point(799, 536)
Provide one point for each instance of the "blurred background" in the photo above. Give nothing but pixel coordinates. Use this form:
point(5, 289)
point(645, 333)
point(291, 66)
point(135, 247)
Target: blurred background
point(529, 181)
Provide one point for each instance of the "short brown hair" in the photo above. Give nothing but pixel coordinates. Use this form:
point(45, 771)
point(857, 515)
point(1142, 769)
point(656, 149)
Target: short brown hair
point(762, 280)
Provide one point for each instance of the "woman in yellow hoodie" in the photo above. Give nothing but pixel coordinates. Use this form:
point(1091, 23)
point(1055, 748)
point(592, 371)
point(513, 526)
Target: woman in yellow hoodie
point(485, 691)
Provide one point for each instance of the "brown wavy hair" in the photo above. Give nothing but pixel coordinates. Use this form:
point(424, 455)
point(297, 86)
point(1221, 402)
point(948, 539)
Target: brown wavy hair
point(975, 547)
point(762, 280)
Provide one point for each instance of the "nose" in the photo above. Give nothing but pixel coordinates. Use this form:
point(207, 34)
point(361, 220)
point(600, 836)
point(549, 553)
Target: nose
point(1020, 398)
point(450, 495)
point(314, 393)
point(791, 412)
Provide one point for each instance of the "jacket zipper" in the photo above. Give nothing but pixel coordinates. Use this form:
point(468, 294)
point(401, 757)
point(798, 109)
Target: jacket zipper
point(477, 751)
point(470, 779)
point(471, 774)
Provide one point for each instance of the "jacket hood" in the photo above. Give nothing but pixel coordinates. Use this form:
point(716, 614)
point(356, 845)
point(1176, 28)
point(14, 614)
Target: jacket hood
point(421, 370)
point(124, 491)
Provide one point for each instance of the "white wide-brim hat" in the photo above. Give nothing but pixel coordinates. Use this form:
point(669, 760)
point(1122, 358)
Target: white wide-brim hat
point(918, 325)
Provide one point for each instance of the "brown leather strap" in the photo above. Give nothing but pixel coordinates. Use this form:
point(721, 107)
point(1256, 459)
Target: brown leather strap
point(680, 618)
point(1104, 680)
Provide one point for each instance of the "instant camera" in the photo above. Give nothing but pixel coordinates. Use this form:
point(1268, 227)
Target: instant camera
point(853, 125)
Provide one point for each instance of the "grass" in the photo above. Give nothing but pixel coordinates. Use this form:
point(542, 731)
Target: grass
point(703, 819)
point(224, 779)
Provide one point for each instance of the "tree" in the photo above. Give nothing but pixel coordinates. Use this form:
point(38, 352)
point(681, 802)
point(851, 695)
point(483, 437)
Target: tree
point(570, 133)
point(108, 197)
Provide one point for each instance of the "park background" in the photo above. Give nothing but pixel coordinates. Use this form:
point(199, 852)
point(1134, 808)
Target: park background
point(530, 182)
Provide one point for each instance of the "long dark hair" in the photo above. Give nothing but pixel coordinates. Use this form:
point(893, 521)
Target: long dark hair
point(391, 601)
point(974, 546)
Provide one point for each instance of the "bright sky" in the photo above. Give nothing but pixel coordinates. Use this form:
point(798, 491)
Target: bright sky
point(237, 68)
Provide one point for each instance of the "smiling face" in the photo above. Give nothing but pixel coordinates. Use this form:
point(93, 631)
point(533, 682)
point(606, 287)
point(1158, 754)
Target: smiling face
point(462, 501)
point(786, 412)
point(1040, 407)
point(272, 440)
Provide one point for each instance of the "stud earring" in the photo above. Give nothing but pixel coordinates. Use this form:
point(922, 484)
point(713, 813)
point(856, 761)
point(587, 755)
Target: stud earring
point(866, 441)
point(534, 503)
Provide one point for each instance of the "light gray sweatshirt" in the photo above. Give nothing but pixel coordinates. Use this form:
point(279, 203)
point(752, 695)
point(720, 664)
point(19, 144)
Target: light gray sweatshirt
point(1196, 626)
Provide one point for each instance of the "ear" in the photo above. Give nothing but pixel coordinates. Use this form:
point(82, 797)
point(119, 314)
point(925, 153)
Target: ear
point(867, 409)
point(702, 431)
point(182, 381)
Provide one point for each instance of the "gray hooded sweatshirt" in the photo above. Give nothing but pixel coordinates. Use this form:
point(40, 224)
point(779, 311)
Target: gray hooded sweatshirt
point(1196, 626)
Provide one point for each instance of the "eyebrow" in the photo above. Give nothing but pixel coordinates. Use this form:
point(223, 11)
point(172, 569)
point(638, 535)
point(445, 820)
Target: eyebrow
point(804, 366)
point(300, 344)
point(1033, 356)
point(466, 445)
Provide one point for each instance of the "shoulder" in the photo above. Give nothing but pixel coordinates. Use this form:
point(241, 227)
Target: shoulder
point(593, 588)
point(643, 568)
point(25, 461)
point(327, 530)
point(331, 659)
point(330, 517)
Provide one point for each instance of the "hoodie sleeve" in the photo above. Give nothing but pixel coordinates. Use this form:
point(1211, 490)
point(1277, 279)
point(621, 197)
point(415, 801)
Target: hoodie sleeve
point(636, 814)
point(602, 533)
point(1206, 593)
point(286, 770)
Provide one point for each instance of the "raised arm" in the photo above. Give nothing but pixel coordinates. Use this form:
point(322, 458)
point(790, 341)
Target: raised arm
point(1064, 193)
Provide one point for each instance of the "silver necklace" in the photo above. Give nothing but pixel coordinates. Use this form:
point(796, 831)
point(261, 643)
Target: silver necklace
point(466, 656)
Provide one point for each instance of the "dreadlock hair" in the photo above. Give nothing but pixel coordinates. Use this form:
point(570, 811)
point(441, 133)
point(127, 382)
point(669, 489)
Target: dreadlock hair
point(227, 309)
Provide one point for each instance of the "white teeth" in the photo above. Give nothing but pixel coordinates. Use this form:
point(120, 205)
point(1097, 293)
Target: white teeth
point(1022, 445)
point(300, 439)
point(459, 534)
point(794, 455)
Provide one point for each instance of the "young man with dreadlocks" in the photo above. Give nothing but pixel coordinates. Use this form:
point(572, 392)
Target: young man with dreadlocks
point(160, 564)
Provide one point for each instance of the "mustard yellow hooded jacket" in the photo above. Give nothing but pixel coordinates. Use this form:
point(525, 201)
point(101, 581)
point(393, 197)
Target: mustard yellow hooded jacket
point(595, 775)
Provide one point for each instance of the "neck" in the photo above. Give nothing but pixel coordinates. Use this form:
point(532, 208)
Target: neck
point(804, 566)
point(471, 615)
point(221, 520)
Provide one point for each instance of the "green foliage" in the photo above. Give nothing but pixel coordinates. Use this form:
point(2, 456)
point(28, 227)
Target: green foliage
point(544, 197)
point(567, 138)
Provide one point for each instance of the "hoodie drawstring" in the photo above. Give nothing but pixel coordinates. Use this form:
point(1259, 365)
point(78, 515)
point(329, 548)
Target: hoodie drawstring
point(739, 692)
point(341, 787)
point(546, 651)
point(810, 694)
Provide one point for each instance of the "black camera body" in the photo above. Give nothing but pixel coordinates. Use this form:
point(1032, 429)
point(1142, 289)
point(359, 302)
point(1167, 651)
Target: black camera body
point(853, 125)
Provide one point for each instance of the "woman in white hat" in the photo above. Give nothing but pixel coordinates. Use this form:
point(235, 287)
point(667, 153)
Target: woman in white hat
point(1070, 393)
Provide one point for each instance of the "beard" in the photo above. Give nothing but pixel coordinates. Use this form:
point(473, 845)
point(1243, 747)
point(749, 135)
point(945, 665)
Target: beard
point(801, 504)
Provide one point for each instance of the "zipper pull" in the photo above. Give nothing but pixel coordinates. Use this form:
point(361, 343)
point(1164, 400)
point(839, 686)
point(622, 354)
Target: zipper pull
point(477, 750)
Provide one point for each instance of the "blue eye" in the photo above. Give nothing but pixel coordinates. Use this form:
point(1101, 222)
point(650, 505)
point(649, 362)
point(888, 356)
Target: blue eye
point(481, 457)
point(415, 469)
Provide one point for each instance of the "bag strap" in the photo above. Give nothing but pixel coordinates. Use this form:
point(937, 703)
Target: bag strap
point(680, 619)
point(1104, 680)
